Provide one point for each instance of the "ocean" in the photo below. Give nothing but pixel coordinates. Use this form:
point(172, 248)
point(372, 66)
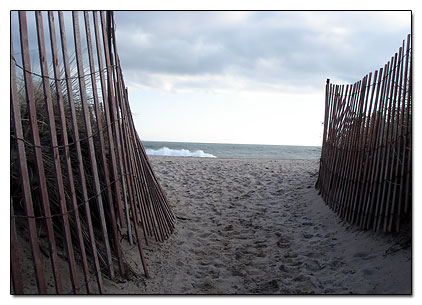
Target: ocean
point(231, 151)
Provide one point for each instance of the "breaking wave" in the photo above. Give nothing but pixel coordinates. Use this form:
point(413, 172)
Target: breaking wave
point(165, 151)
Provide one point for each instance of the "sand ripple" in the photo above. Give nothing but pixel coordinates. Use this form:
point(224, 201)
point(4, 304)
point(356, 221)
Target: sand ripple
point(258, 226)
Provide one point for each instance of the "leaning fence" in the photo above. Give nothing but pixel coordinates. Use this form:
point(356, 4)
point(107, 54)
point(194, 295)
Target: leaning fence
point(365, 173)
point(81, 183)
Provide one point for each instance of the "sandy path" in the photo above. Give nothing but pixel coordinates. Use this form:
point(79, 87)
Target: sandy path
point(258, 226)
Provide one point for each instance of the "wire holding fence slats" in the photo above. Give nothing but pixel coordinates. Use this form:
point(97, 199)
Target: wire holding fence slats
point(81, 183)
point(365, 167)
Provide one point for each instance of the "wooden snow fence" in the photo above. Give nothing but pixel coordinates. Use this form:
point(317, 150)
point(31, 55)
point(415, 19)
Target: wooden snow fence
point(81, 183)
point(365, 173)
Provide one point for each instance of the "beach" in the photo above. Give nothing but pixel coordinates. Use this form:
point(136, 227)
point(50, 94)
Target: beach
point(258, 226)
point(253, 124)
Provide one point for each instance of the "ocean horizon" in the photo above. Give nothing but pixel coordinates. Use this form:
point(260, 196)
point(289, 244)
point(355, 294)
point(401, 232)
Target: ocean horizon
point(231, 151)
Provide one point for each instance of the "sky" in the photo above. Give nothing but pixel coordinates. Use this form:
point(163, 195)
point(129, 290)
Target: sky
point(253, 77)
point(370, 41)
point(373, 40)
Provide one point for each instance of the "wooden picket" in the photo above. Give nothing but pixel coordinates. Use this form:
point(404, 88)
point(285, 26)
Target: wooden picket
point(365, 166)
point(84, 178)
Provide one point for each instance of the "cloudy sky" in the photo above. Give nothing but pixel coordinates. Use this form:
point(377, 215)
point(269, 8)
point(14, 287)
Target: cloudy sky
point(246, 77)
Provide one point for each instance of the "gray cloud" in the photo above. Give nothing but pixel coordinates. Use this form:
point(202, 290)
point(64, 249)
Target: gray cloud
point(265, 49)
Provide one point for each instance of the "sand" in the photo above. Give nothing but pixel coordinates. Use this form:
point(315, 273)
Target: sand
point(256, 226)
point(251, 226)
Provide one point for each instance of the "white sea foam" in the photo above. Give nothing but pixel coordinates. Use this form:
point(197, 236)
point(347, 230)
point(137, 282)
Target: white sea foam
point(165, 151)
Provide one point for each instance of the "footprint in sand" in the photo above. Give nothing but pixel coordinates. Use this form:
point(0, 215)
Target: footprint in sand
point(314, 265)
point(284, 269)
point(228, 228)
point(335, 264)
point(283, 243)
point(260, 244)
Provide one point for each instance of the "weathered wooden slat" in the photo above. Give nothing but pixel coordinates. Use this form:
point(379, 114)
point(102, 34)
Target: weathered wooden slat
point(397, 148)
point(348, 138)
point(120, 156)
point(320, 180)
point(56, 155)
point(375, 185)
point(164, 204)
point(327, 151)
point(65, 140)
point(384, 161)
point(333, 155)
point(105, 95)
point(409, 145)
point(106, 28)
point(387, 196)
point(15, 266)
point(363, 145)
point(367, 158)
point(407, 133)
point(147, 170)
point(134, 193)
point(340, 145)
point(365, 165)
point(98, 115)
point(91, 149)
point(81, 168)
point(358, 125)
point(336, 104)
point(114, 105)
point(15, 107)
point(128, 161)
point(375, 131)
point(350, 151)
